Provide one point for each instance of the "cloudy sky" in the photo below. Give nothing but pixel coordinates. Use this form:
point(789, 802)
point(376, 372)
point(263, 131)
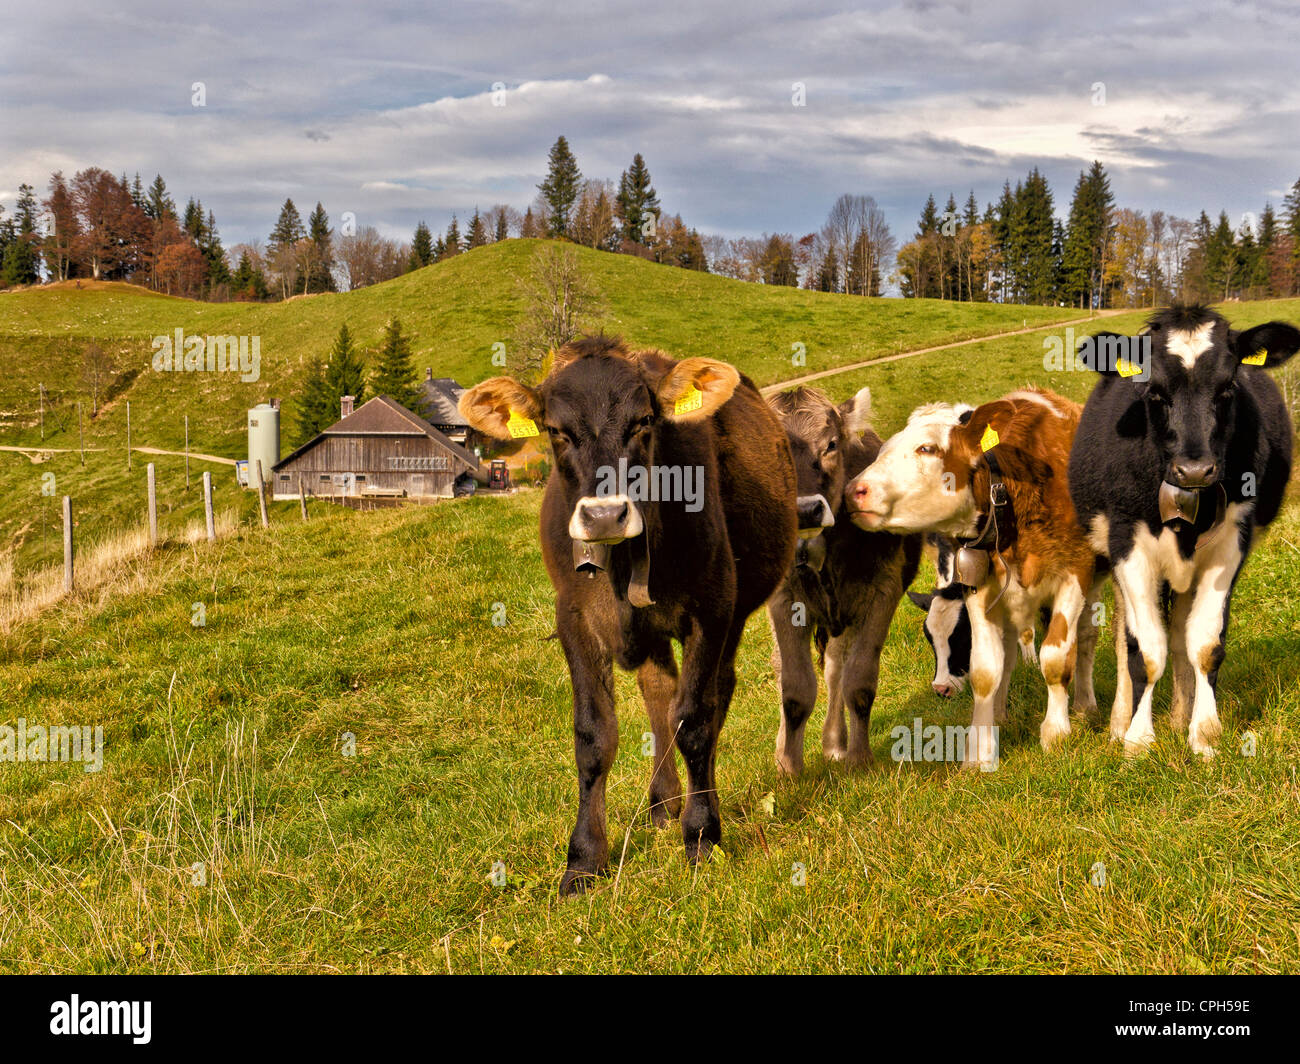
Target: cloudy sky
point(387, 109)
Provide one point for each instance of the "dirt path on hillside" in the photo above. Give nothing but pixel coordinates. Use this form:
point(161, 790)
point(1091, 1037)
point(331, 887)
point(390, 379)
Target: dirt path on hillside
point(181, 454)
point(794, 382)
point(36, 453)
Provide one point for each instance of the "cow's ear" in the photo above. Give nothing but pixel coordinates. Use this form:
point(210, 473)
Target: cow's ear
point(856, 413)
point(1093, 350)
point(695, 388)
point(1267, 345)
point(964, 413)
point(923, 601)
point(984, 429)
point(502, 408)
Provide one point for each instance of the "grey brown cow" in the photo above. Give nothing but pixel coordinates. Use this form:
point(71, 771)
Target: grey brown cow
point(844, 586)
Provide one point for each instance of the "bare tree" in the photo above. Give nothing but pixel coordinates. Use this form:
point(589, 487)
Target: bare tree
point(561, 302)
point(97, 370)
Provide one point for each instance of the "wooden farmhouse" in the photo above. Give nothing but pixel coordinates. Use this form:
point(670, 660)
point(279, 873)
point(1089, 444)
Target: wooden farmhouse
point(374, 456)
point(441, 396)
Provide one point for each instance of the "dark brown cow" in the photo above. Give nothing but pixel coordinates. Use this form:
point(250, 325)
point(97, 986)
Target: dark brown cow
point(670, 515)
point(845, 584)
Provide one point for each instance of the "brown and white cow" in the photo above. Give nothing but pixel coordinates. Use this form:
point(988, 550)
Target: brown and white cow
point(844, 586)
point(670, 514)
point(996, 479)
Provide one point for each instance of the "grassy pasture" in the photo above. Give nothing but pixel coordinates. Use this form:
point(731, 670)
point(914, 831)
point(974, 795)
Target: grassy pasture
point(322, 776)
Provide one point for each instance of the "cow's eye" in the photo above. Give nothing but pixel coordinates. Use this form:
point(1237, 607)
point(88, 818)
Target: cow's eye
point(558, 435)
point(927, 448)
point(831, 447)
point(645, 422)
point(1157, 397)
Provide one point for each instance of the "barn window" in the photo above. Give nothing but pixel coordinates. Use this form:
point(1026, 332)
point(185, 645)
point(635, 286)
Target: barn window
point(284, 476)
point(325, 477)
point(361, 476)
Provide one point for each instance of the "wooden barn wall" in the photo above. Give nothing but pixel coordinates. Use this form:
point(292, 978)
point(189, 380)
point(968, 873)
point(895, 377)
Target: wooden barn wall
point(379, 459)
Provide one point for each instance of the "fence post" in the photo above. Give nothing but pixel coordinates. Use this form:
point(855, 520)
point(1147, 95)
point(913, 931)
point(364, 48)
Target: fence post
point(128, 434)
point(302, 497)
point(81, 435)
point(67, 543)
point(207, 505)
point(261, 495)
point(187, 452)
point(153, 505)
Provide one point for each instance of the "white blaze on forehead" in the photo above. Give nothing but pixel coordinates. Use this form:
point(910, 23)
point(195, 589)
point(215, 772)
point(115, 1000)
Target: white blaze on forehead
point(1188, 345)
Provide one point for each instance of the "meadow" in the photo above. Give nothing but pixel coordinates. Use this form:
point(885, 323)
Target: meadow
point(350, 767)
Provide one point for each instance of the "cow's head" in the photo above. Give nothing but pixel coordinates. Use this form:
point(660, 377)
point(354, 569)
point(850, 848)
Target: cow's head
point(1183, 369)
point(602, 408)
point(947, 624)
point(921, 479)
point(820, 435)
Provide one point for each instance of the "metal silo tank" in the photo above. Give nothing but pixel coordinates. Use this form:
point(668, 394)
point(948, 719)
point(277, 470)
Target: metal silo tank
point(263, 439)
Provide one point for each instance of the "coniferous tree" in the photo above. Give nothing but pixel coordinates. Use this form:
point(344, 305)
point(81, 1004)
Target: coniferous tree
point(1087, 235)
point(421, 247)
point(502, 228)
point(321, 273)
point(316, 410)
point(1261, 279)
point(1291, 216)
point(20, 263)
point(288, 229)
point(560, 189)
point(158, 204)
point(394, 373)
point(476, 234)
point(451, 243)
point(636, 200)
point(346, 372)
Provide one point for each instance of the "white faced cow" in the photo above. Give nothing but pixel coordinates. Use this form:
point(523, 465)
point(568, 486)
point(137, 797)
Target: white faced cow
point(1183, 451)
point(995, 479)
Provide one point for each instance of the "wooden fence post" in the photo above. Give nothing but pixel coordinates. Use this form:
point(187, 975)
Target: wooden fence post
point(302, 497)
point(67, 543)
point(128, 434)
point(207, 505)
point(261, 495)
point(187, 452)
point(81, 435)
point(153, 505)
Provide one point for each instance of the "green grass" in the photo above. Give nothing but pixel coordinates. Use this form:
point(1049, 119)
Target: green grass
point(228, 746)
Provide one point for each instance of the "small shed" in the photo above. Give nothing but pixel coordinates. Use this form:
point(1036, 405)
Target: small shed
point(374, 456)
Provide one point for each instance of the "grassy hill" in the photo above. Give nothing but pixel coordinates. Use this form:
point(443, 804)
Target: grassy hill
point(323, 774)
point(455, 310)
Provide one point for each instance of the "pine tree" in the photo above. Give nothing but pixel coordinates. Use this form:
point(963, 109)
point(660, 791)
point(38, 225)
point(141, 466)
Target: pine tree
point(137, 192)
point(1031, 253)
point(451, 243)
point(394, 374)
point(929, 222)
point(503, 226)
point(322, 268)
point(636, 200)
point(1221, 259)
point(316, 410)
point(158, 204)
point(421, 247)
point(560, 189)
point(1087, 235)
point(20, 263)
point(476, 235)
point(1262, 277)
point(1291, 215)
point(214, 253)
point(288, 229)
point(346, 373)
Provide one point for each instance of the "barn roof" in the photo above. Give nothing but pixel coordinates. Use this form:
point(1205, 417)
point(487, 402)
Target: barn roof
point(384, 416)
point(441, 394)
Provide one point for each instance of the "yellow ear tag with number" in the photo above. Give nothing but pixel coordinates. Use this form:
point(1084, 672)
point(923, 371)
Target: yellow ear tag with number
point(691, 399)
point(519, 426)
point(990, 439)
point(1257, 359)
point(1126, 368)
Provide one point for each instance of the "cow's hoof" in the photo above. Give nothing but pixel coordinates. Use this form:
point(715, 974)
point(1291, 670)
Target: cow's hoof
point(664, 811)
point(978, 765)
point(1138, 745)
point(1050, 733)
point(1085, 712)
point(860, 762)
point(576, 881)
point(835, 753)
point(1203, 737)
point(789, 766)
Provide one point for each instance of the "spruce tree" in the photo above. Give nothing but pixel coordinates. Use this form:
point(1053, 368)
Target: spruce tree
point(560, 189)
point(451, 244)
point(503, 226)
point(322, 270)
point(421, 247)
point(346, 373)
point(394, 373)
point(158, 204)
point(636, 200)
point(316, 411)
point(476, 234)
point(288, 229)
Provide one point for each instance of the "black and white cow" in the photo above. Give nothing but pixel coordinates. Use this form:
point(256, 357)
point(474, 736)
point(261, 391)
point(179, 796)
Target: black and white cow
point(1183, 451)
point(947, 624)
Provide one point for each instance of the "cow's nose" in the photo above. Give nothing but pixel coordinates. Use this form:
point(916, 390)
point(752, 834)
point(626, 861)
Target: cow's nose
point(604, 520)
point(858, 493)
point(1194, 472)
point(943, 690)
point(814, 513)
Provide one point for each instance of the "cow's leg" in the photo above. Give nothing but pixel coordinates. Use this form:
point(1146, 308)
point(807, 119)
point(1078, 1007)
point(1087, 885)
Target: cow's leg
point(1011, 645)
point(657, 679)
point(835, 734)
point(1057, 658)
point(1121, 710)
point(987, 662)
point(1206, 637)
point(1147, 645)
point(860, 670)
point(1085, 696)
point(1180, 706)
point(696, 717)
point(798, 681)
point(595, 742)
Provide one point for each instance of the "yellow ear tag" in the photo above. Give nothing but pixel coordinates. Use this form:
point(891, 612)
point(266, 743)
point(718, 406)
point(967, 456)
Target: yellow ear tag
point(990, 439)
point(519, 426)
point(1126, 368)
point(1257, 359)
point(691, 399)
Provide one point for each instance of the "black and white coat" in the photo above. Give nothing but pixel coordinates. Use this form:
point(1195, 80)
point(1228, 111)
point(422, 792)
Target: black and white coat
point(1186, 403)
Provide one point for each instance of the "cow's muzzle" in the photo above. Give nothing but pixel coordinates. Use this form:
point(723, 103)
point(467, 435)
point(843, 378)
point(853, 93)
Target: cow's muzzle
point(605, 519)
point(815, 514)
point(1193, 474)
